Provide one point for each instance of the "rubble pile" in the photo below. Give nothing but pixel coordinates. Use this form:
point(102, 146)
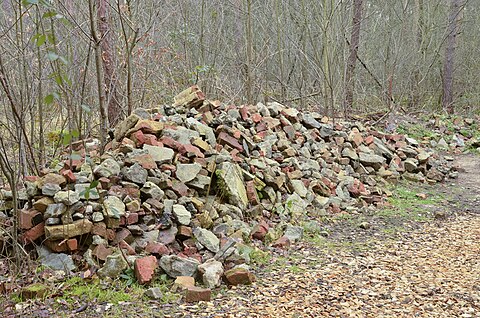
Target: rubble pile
point(183, 187)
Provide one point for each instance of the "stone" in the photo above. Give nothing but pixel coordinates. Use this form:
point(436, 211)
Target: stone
point(145, 268)
point(231, 183)
point(55, 261)
point(372, 160)
point(42, 204)
point(175, 265)
point(125, 125)
point(190, 97)
point(207, 239)
point(299, 188)
point(113, 207)
point(50, 189)
point(182, 283)
point(33, 234)
point(108, 168)
point(66, 197)
point(212, 272)
point(200, 182)
point(411, 164)
point(83, 188)
point(167, 236)
point(66, 231)
point(53, 178)
point(350, 153)
point(136, 174)
point(151, 190)
point(154, 293)
point(35, 290)
point(55, 210)
point(196, 294)
point(160, 155)
point(239, 276)
point(182, 214)
point(187, 172)
point(114, 265)
point(203, 130)
point(293, 233)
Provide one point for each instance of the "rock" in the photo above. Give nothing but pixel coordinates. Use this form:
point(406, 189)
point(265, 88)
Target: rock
point(154, 293)
point(113, 267)
point(349, 153)
point(167, 236)
point(50, 189)
point(182, 214)
point(212, 272)
point(83, 188)
point(125, 126)
point(66, 231)
point(231, 183)
point(136, 174)
point(109, 167)
point(182, 283)
point(196, 294)
point(299, 188)
point(175, 266)
point(151, 190)
point(207, 239)
point(113, 207)
point(66, 197)
point(160, 155)
point(293, 233)
point(191, 97)
point(187, 172)
point(35, 290)
point(442, 144)
point(55, 210)
point(203, 130)
point(239, 276)
point(411, 164)
point(42, 204)
point(145, 268)
point(55, 261)
point(53, 178)
point(372, 160)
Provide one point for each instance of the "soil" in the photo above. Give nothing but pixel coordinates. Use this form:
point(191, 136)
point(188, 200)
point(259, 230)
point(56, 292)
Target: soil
point(429, 268)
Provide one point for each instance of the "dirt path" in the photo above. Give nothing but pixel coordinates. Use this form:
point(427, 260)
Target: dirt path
point(433, 271)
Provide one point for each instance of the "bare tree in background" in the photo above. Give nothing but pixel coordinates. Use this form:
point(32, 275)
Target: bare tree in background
point(448, 67)
point(352, 58)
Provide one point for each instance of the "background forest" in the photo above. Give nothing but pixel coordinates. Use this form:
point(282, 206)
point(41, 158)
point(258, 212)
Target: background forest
point(70, 69)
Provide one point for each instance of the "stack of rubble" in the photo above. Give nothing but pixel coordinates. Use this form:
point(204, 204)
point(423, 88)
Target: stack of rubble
point(183, 186)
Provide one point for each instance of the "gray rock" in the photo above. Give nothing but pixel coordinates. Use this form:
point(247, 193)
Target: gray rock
point(372, 160)
point(230, 182)
point(295, 206)
point(113, 207)
point(136, 174)
point(151, 190)
point(154, 293)
point(114, 265)
point(299, 188)
point(212, 272)
point(109, 167)
point(381, 149)
point(66, 197)
point(160, 155)
point(50, 189)
point(55, 261)
point(349, 153)
point(97, 217)
point(411, 164)
point(200, 182)
point(310, 122)
point(176, 266)
point(182, 214)
point(187, 172)
point(207, 239)
point(82, 188)
point(55, 210)
point(293, 233)
point(442, 144)
point(181, 134)
point(167, 236)
point(203, 130)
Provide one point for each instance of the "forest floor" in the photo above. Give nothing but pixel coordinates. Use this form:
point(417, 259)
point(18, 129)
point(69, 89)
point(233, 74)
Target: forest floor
point(418, 258)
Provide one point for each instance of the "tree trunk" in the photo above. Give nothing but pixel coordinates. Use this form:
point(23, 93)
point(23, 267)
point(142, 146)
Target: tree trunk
point(352, 58)
point(448, 67)
point(114, 109)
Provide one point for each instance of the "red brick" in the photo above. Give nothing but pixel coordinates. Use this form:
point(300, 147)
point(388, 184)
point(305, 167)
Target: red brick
point(34, 233)
point(29, 218)
point(171, 143)
point(252, 193)
point(190, 151)
point(101, 252)
point(72, 244)
point(125, 246)
point(157, 248)
point(224, 138)
point(68, 174)
point(145, 268)
point(196, 294)
point(151, 140)
point(180, 188)
point(239, 276)
point(138, 137)
point(132, 218)
point(282, 242)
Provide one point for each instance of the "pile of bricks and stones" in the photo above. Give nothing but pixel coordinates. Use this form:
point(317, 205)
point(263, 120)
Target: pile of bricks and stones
point(182, 188)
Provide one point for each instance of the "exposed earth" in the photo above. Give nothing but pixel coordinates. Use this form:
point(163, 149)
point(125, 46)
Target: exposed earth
point(411, 260)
